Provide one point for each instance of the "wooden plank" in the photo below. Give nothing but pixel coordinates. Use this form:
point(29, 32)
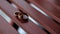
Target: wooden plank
point(49, 8)
point(29, 27)
point(56, 2)
point(46, 23)
point(5, 28)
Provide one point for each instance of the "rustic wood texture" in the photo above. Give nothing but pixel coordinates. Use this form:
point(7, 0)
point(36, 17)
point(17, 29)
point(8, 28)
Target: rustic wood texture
point(49, 8)
point(5, 28)
point(29, 27)
point(56, 2)
point(48, 24)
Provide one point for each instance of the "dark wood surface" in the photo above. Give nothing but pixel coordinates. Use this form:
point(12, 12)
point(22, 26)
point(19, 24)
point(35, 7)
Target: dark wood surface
point(29, 27)
point(6, 28)
point(52, 8)
point(48, 7)
point(47, 23)
point(56, 2)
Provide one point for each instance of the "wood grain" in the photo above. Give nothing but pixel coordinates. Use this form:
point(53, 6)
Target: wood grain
point(47, 23)
point(29, 27)
point(5, 28)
